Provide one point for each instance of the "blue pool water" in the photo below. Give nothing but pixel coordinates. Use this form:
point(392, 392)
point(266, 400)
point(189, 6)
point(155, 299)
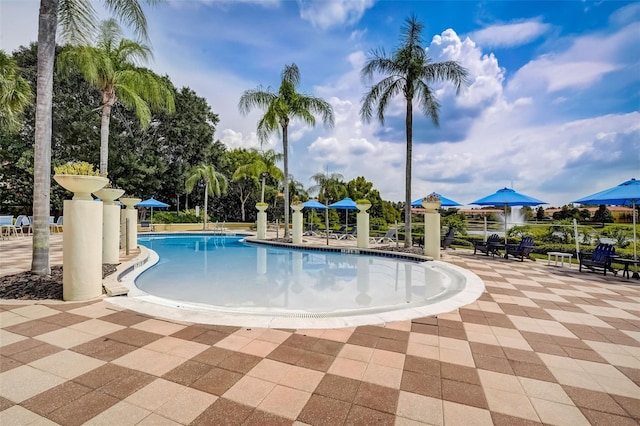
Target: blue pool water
point(225, 272)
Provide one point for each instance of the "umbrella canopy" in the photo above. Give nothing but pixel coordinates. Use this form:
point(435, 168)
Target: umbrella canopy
point(314, 204)
point(345, 204)
point(507, 197)
point(446, 202)
point(152, 202)
point(627, 193)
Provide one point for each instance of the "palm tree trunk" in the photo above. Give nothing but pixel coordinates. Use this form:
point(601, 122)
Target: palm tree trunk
point(47, 26)
point(407, 183)
point(108, 101)
point(285, 153)
point(206, 195)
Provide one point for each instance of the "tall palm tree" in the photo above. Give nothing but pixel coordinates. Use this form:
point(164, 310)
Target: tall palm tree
point(77, 19)
point(15, 94)
point(215, 183)
point(408, 71)
point(329, 187)
point(262, 167)
point(110, 66)
point(280, 108)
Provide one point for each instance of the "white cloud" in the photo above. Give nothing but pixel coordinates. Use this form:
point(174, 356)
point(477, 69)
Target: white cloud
point(325, 14)
point(510, 35)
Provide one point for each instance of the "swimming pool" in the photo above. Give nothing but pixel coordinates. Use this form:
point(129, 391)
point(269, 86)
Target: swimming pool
point(226, 275)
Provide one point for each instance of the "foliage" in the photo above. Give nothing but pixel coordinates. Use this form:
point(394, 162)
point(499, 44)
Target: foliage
point(15, 94)
point(603, 215)
point(621, 235)
point(76, 168)
point(187, 216)
point(456, 222)
point(408, 71)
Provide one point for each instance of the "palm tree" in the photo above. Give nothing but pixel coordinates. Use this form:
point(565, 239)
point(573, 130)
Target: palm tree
point(262, 167)
point(329, 187)
point(215, 183)
point(15, 94)
point(280, 108)
point(110, 67)
point(77, 19)
point(408, 71)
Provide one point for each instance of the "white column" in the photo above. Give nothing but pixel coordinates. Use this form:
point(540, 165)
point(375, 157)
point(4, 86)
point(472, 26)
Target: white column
point(82, 250)
point(363, 225)
point(432, 234)
point(296, 234)
point(262, 221)
point(110, 233)
point(132, 215)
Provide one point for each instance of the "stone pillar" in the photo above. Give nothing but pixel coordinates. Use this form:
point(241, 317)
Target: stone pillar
point(131, 214)
point(82, 250)
point(262, 220)
point(296, 234)
point(432, 229)
point(110, 224)
point(363, 224)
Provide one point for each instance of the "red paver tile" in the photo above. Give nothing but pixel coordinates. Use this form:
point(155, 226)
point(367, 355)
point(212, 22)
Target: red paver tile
point(36, 353)
point(213, 356)
point(223, 412)
point(56, 397)
point(262, 418)
point(217, 381)
point(421, 384)
point(359, 415)
point(126, 318)
point(421, 365)
point(132, 336)
point(7, 364)
point(500, 419)
point(463, 393)
point(104, 349)
point(286, 354)
point(377, 397)
point(32, 328)
point(240, 362)
point(338, 387)
point(82, 409)
point(459, 373)
point(594, 400)
point(316, 361)
point(321, 410)
point(188, 372)
point(600, 418)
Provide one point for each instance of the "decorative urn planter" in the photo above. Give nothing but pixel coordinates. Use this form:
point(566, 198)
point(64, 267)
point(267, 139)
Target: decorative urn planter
point(297, 206)
point(431, 203)
point(262, 206)
point(130, 202)
point(82, 186)
point(363, 205)
point(108, 195)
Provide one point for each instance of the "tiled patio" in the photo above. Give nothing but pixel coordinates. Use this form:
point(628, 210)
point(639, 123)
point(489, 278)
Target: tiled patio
point(543, 345)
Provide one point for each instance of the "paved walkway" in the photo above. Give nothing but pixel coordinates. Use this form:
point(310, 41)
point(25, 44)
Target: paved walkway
point(543, 345)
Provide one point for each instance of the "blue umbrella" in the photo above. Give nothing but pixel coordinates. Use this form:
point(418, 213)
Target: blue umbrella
point(446, 202)
point(152, 202)
point(627, 193)
point(314, 204)
point(507, 197)
point(345, 204)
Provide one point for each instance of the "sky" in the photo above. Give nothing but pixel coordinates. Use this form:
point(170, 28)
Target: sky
point(552, 108)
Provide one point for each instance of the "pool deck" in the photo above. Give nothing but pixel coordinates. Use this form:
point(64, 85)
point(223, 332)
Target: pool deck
point(542, 345)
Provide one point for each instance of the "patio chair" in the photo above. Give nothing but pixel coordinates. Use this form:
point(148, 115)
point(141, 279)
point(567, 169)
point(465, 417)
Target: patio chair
point(521, 250)
point(312, 229)
point(489, 247)
point(337, 234)
point(7, 227)
point(145, 226)
point(350, 234)
point(447, 239)
point(57, 227)
point(390, 236)
point(600, 258)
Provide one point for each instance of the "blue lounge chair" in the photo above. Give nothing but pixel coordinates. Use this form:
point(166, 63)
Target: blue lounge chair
point(600, 258)
point(521, 250)
point(489, 247)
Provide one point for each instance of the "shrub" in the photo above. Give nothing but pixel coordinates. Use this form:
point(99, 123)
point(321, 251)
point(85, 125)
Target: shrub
point(76, 168)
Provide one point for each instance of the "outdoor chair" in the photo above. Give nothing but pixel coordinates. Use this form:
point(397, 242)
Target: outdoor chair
point(312, 229)
point(600, 258)
point(57, 227)
point(489, 247)
point(350, 234)
point(447, 239)
point(390, 236)
point(145, 225)
point(7, 227)
point(337, 234)
point(521, 250)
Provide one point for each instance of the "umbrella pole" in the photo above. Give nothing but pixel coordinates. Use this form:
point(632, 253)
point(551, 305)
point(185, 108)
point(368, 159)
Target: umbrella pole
point(326, 229)
point(575, 236)
point(635, 252)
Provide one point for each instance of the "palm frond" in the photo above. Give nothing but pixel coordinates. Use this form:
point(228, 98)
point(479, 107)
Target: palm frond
point(131, 13)
point(77, 21)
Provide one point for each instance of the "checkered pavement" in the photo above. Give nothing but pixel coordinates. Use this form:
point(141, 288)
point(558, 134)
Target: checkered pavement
point(542, 345)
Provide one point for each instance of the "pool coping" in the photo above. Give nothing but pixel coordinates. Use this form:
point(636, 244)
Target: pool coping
point(140, 301)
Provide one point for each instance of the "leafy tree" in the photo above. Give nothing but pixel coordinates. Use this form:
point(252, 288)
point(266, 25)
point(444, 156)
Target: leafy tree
point(215, 183)
point(603, 215)
point(329, 187)
point(280, 108)
point(110, 66)
point(540, 215)
point(15, 94)
point(77, 19)
point(262, 166)
point(408, 71)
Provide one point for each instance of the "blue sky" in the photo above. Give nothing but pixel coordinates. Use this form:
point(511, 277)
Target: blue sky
point(553, 106)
